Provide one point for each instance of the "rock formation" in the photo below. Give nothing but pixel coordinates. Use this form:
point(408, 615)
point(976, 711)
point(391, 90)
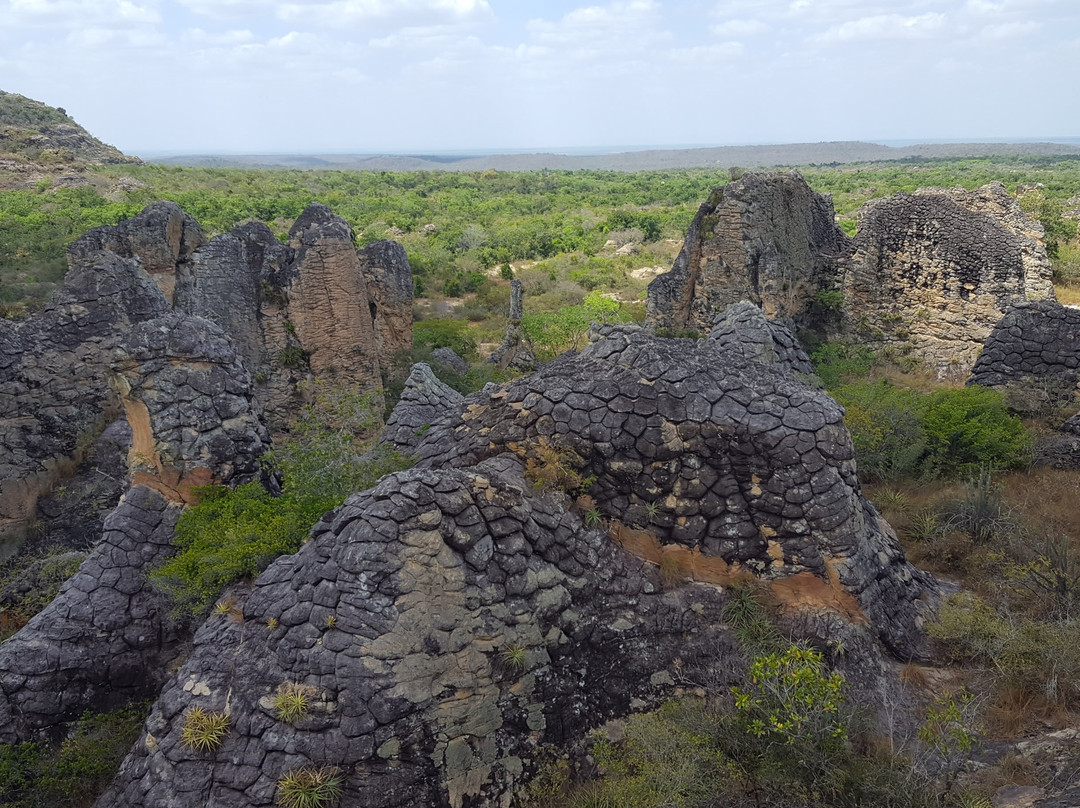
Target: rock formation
point(424, 402)
point(927, 275)
point(1033, 354)
point(105, 639)
point(446, 623)
point(766, 238)
point(53, 377)
point(389, 282)
point(744, 330)
point(515, 351)
point(279, 305)
point(934, 271)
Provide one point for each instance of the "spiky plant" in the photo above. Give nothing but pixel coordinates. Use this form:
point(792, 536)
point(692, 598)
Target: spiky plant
point(310, 787)
point(204, 730)
point(291, 702)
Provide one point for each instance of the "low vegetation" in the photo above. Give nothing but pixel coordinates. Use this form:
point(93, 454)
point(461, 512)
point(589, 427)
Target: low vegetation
point(73, 773)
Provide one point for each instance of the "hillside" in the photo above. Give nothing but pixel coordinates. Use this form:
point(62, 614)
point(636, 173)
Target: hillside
point(37, 140)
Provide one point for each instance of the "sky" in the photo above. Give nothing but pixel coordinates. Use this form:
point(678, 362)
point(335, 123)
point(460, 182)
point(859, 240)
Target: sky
point(422, 76)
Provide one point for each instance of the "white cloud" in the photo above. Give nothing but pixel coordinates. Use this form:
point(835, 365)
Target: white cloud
point(886, 26)
point(352, 12)
point(600, 23)
point(1009, 30)
point(76, 13)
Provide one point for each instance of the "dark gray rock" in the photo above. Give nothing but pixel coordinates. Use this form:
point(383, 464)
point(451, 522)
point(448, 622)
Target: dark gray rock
point(443, 624)
point(448, 358)
point(389, 281)
point(743, 329)
point(54, 396)
point(425, 404)
point(740, 463)
point(104, 641)
point(767, 238)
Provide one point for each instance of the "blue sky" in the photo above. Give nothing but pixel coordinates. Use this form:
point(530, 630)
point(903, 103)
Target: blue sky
point(425, 75)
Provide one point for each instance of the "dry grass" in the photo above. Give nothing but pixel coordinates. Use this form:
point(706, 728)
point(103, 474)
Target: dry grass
point(1067, 295)
point(1016, 712)
point(1047, 498)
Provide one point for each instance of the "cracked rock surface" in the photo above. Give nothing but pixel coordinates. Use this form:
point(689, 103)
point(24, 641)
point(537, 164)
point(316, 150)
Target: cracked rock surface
point(442, 624)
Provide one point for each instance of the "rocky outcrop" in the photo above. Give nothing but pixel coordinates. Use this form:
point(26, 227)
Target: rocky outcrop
point(189, 402)
point(103, 641)
point(53, 377)
point(765, 238)
point(389, 283)
point(329, 307)
point(743, 329)
point(927, 275)
point(934, 271)
point(442, 626)
point(515, 351)
point(162, 237)
point(448, 358)
point(1033, 354)
point(272, 302)
point(724, 467)
point(425, 404)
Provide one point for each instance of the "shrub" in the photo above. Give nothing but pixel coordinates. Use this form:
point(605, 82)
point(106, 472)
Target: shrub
point(78, 770)
point(232, 534)
point(310, 787)
point(203, 730)
point(453, 334)
point(514, 657)
point(970, 428)
point(837, 360)
point(886, 428)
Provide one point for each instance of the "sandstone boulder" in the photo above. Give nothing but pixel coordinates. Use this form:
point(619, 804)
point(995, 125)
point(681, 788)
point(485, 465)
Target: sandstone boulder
point(743, 329)
point(424, 405)
point(389, 282)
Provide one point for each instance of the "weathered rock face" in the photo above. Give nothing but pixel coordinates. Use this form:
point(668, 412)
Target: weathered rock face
point(515, 351)
point(1033, 353)
point(189, 402)
point(161, 237)
point(742, 329)
point(55, 396)
point(934, 271)
point(103, 641)
point(927, 275)
point(766, 238)
point(389, 282)
point(724, 466)
point(424, 403)
point(328, 301)
point(443, 624)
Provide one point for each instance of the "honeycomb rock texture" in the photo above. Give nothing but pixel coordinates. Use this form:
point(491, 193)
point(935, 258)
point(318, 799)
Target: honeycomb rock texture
point(927, 276)
point(442, 625)
point(103, 641)
point(743, 329)
point(1034, 354)
point(425, 404)
point(730, 467)
point(765, 238)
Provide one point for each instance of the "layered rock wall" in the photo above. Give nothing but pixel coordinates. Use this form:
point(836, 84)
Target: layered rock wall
point(934, 271)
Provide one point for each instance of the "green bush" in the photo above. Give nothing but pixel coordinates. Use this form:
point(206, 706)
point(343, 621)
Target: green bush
point(453, 334)
point(901, 433)
point(73, 774)
point(232, 534)
point(969, 428)
point(838, 360)
point(310, 787)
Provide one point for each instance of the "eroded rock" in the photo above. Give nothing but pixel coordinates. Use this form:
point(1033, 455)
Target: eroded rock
point(515, 351)
point(425, 404)
point(743, 329)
